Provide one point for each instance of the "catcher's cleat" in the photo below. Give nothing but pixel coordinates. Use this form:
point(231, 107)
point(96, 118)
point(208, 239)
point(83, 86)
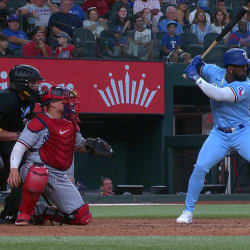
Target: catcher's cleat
point(186, 217)
point(23, 219)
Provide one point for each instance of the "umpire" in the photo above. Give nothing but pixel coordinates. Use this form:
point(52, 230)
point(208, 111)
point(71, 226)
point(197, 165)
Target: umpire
point(16, 107)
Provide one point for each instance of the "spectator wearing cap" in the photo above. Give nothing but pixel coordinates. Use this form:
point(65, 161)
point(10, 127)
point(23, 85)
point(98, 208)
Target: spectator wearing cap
point(171, 45)
point(40, 11)
point(182, 13)
point(142, 41)
point(200, 26)
point(121, 18)
point(101, 6)
point(153, 5)
point(116, 45)
point(95, 24)
point(201, 5)
point(17, 38)
point(64, 20)
point(4, 43)
point(65, 49)
point(38, 47)
point(170, 16)
point(4, 12)
point(75, 9)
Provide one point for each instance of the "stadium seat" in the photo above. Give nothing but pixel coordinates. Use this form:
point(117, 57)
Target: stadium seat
point(188, 38)
point(15, 4)
point(83, 38)
point(194, 49)
point(237, 4)
point(215, 55)
point(209, 38)
point(159, 37)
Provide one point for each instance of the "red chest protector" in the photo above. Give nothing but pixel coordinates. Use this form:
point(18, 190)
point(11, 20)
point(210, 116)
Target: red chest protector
point(58, 150)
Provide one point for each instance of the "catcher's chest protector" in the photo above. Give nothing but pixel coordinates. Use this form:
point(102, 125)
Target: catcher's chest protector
point(58, 150)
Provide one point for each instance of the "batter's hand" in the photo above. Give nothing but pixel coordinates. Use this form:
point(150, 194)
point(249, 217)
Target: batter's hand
point(191, 73)
point(197, 61)
point(14, 178)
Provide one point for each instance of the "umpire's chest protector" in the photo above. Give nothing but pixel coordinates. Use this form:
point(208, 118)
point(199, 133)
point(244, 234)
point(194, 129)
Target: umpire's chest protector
point(58, 149)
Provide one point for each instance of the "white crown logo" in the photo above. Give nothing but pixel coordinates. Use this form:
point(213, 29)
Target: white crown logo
point(134, 94)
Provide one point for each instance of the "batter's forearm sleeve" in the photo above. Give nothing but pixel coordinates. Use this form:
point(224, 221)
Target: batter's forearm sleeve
point(17, 155)
point(216, 93)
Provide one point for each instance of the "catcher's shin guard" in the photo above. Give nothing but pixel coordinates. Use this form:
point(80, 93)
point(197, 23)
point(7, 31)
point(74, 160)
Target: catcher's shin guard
point(35, 183)
point(82, 215)
point(43, 213)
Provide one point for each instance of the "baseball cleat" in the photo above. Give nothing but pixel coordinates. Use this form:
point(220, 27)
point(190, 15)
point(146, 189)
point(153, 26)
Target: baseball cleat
point(186, 217)
point(23, 219)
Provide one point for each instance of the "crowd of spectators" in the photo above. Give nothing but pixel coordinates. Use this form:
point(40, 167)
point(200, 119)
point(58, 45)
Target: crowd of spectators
point(133, 29)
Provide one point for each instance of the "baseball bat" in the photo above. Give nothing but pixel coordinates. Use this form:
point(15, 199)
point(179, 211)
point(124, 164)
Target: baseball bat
point(242, 11)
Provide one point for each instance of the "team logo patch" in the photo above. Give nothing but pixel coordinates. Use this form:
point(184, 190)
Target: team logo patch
point(241, 91)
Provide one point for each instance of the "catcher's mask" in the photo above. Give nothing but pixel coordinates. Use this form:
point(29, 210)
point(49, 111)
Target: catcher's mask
point(22, 78)
point(69, 97)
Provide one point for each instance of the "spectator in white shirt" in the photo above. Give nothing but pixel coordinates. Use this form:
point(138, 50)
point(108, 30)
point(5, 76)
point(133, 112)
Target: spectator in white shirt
point(40, 11)
point(153, 5)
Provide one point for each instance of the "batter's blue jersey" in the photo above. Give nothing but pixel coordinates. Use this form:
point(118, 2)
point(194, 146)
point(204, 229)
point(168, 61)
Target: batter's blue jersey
point(228, 114)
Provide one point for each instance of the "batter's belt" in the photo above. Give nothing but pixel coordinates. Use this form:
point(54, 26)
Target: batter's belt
point(231, 130)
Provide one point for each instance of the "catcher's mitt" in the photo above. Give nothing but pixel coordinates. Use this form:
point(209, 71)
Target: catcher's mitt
point(98, 147)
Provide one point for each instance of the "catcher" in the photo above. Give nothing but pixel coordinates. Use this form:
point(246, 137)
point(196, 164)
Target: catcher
point(50, 140)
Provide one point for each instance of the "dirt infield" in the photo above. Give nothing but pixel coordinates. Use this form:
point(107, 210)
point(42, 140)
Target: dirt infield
point(140, 227)
point(136, 227)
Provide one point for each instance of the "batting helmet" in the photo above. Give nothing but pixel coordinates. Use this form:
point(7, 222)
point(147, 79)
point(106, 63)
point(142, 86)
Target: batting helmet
point(20, 76)
point(236, 56)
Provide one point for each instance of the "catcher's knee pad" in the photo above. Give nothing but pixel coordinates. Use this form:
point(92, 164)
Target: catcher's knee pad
point(36, 179)
point(82, 215)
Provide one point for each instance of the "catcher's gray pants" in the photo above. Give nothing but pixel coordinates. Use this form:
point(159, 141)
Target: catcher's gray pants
point(60, 191)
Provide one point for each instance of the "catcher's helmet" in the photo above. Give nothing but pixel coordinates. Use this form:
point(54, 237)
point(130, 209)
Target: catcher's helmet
point(20, 76)
point(57, 93)
point(235, 56)
point(69, 96)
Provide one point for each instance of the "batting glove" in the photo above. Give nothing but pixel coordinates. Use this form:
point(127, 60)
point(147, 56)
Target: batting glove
point(197, 61)
point(191, 72)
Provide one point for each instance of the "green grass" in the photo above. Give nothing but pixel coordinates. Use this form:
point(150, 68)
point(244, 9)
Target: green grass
point(172, 211)
point(125, 243)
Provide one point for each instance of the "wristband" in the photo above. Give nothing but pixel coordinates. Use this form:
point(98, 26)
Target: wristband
point(199, 81)
point(14, 167)
point(1, 129)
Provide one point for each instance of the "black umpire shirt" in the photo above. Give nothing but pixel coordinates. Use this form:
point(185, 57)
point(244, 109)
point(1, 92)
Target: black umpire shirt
point(14, 113)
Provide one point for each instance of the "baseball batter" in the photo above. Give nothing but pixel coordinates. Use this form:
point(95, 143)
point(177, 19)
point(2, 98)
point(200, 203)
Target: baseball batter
point(229, 93)
point(50, 140)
